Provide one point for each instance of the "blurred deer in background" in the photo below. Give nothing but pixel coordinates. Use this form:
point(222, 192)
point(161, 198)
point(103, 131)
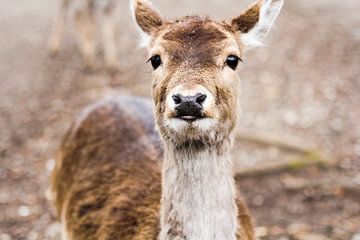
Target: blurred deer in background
point(115, 180)
point(85, 12)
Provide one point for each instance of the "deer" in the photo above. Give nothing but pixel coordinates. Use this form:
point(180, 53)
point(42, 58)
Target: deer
point(133, 168)
point(87, 15)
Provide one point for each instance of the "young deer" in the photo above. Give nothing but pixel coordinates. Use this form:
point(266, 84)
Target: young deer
point(85, 22)
point(113, 177)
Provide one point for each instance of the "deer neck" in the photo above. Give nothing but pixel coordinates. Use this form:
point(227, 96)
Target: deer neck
point(198, 193)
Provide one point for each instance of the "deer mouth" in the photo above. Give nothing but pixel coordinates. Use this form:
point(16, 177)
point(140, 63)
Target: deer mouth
point(190, 118)
point(197, 124)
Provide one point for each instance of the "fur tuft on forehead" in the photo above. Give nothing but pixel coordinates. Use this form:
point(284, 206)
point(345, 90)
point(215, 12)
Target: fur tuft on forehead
point(194, 40)
point(195, 28)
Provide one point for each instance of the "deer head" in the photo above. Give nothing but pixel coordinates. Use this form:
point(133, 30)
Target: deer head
point(195, 62)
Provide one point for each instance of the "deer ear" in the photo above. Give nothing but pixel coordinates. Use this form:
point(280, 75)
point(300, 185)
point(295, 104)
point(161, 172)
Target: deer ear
point(255, 23)
point(145, 15)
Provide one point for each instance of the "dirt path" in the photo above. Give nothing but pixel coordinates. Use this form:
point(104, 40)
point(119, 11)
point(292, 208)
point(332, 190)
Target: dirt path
point(305, 85)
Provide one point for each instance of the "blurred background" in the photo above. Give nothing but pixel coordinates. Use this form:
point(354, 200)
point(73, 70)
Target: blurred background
point(297, 155)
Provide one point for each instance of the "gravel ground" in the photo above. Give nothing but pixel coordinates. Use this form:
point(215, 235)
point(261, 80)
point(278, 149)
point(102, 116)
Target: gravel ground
point(305, 85)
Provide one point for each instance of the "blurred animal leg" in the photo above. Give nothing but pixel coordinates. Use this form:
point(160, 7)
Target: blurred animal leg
point(86, 29)
point(245, 220)
point(58, 28)
point(109, 40)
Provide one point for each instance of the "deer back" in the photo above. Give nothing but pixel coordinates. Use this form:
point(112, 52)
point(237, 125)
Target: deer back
point(107, 176)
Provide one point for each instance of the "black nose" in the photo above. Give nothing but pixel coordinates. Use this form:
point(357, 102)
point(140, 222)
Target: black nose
point(189, 107)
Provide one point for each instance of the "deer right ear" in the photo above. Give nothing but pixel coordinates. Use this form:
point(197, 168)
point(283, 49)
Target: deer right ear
point(145, 15)
point(255, 23)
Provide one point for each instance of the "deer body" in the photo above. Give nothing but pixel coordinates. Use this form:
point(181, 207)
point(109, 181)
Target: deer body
point(114, 180)
point(87, 15)
point(107, 180)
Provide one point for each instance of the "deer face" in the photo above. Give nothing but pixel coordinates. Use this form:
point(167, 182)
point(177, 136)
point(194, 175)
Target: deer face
point(194, 81)
point(194, 61)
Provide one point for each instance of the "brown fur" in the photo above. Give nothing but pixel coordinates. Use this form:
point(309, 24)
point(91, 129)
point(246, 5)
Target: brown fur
point(192, 41)
point(248, 19)
point(147, 16)
point(107, 179)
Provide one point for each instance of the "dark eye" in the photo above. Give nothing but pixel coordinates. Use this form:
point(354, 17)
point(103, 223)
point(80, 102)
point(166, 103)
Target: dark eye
point(232, 61)
point(155, 61)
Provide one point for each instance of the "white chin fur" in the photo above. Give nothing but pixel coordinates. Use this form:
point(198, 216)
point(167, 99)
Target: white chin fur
point(204, 125)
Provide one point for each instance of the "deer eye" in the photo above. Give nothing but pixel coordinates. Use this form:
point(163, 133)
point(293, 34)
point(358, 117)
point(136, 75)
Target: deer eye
point(155, 61)
point(232, 61)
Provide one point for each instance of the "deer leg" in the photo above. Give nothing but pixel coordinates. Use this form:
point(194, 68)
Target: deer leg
point(58, 28)
point(109, 40)
point(245, 220)
point(86, 29)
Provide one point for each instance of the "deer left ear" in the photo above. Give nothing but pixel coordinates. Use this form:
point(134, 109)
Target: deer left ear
point(255, 23)
point(146, 16)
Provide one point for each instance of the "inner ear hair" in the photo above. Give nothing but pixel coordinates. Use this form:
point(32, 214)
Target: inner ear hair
point(146, 16)
point(248, 19)
point(255, 23)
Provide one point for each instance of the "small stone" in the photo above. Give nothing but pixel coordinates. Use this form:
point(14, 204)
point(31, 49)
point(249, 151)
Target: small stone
point(330, 93)
point(291, 182)
point(258, 200)
point(356, 236)
point(261, 231)
point(290, 117)
point(5, 236)
point(32, 236)
point(50, 164)
point(297, 228)
point(53, 231)
point(24, 211)
point(356, 179)
point(276, 230)
point(310, 236)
